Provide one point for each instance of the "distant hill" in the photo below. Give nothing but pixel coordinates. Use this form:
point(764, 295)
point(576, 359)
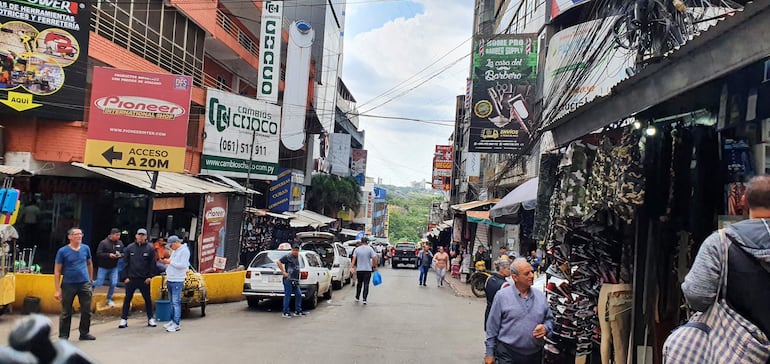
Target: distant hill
point(409, 208)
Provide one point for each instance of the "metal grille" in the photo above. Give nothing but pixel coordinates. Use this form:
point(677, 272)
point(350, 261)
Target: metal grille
point(154, 32)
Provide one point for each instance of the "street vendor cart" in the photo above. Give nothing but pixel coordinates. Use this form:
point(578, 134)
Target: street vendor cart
point(193, 293)
point(8, 237)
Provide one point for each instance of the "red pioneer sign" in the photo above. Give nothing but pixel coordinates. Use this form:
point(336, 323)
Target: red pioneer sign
point(138, 120)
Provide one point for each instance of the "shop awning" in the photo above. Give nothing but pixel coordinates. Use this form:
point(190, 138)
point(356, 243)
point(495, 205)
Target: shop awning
point(525, 195)
point(168, 182)
point(440, 227)
point(304, 218)
point(230, 182)
point(710, 56)
point(349, 232)
point(263, 212)
point(473, 204)
point(482, 217)
point(13, 171)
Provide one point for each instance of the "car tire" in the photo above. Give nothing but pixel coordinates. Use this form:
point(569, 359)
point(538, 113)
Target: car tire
point(204, 298)
point(336, 285)
point(394, 265)
point(253, 302)
point(312, 301)
point(328, 293)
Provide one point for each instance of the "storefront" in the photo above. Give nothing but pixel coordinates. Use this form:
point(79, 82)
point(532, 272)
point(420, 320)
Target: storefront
point(641, 178)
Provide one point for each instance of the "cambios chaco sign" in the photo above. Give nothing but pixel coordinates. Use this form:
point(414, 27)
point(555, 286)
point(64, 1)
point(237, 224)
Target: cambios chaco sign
point(270, 51)
point(138, 120)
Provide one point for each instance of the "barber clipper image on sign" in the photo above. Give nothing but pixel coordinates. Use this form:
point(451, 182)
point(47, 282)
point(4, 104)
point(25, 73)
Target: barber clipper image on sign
point(503, 87)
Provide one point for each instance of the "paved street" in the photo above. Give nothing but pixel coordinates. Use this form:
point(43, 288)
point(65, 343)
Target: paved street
point(403, 323)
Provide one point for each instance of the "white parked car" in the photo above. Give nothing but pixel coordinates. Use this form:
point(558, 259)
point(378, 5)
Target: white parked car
point(333, 254)
point(265, 281)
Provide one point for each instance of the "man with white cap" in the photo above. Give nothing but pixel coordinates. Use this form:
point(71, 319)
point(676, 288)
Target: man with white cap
point(138, 270)
point(176, 271)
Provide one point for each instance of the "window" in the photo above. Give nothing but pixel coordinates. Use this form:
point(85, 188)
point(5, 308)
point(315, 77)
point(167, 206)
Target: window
point(313, 260)
point(221, 82)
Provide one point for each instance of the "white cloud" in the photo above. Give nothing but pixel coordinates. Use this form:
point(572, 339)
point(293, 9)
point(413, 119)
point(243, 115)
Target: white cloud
point(377, 60)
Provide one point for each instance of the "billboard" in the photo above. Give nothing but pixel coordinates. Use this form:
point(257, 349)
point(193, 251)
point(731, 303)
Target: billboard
point(560, 6)
point(442, 167)
point(269, 75)
point(565, 59)
point(504, 79)
point(339, 154)
point(241, 136)
point(44, 58)
point(358, 165)
point(212, 236)
point(138, 120)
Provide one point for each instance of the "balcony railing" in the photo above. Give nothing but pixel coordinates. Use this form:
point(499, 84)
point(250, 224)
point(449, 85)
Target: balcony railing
point(224, 21)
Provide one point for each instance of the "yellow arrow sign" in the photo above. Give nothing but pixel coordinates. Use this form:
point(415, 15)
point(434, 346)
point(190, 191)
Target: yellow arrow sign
point(20, 101)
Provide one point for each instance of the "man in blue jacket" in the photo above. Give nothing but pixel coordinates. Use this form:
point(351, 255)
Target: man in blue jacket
point(138, 270)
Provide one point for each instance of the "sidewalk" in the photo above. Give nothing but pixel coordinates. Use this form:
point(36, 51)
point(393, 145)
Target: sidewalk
point(461, 289)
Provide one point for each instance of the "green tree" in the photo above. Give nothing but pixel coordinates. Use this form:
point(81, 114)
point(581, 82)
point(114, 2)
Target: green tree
point(408, 212)
point(330, 194)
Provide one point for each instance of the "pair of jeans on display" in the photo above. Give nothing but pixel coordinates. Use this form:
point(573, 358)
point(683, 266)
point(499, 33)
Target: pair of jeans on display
point(615, 306)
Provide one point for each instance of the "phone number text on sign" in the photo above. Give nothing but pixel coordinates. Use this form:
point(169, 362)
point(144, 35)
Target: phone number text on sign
point(238, 147)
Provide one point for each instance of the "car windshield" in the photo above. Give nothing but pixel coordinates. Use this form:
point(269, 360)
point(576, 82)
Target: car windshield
point(268, 259)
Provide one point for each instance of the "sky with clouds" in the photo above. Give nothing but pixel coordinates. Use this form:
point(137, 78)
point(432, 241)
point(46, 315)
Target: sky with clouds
point(406, 59)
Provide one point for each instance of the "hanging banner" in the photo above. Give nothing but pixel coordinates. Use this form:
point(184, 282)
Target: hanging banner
point(212, 238)
point(241, 136)
point(138, 120)
point(44, 58)
point(504, 80)
point(358, 165)
point(269, 75)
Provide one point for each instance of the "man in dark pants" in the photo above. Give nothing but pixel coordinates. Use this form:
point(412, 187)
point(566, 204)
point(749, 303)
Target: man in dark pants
point(518, 321)
point(364, 262)
point(74, 262)
point(289, 266)
point(495, 282)
point(138, 270)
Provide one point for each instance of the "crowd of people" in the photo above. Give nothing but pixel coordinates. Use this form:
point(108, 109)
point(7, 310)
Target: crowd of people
point(134, 265)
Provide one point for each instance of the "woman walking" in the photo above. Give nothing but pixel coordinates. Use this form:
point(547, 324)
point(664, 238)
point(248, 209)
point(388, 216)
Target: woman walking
point(441, 260)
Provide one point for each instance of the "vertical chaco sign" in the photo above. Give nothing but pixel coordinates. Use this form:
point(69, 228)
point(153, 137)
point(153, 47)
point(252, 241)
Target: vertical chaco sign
point(270, 51)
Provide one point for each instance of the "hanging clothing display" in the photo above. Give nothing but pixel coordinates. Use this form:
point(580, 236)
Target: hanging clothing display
point(547, 180)
point(593, 203)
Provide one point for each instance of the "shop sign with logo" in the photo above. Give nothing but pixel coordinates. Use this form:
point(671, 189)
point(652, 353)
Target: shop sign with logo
point(138, 120)
point(241, 136)
point(212, 239)
point(504, 80)
point(44, 58)
point(269, 75)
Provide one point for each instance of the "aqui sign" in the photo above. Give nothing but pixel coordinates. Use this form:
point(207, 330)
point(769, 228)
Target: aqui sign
point(138, 120)
point(241, 136)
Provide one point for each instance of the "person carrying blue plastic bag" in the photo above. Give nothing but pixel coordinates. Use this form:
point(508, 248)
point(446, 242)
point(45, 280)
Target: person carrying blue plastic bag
point(376, 278)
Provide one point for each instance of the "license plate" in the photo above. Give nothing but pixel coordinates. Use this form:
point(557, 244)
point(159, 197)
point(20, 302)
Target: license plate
point(275, 279)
